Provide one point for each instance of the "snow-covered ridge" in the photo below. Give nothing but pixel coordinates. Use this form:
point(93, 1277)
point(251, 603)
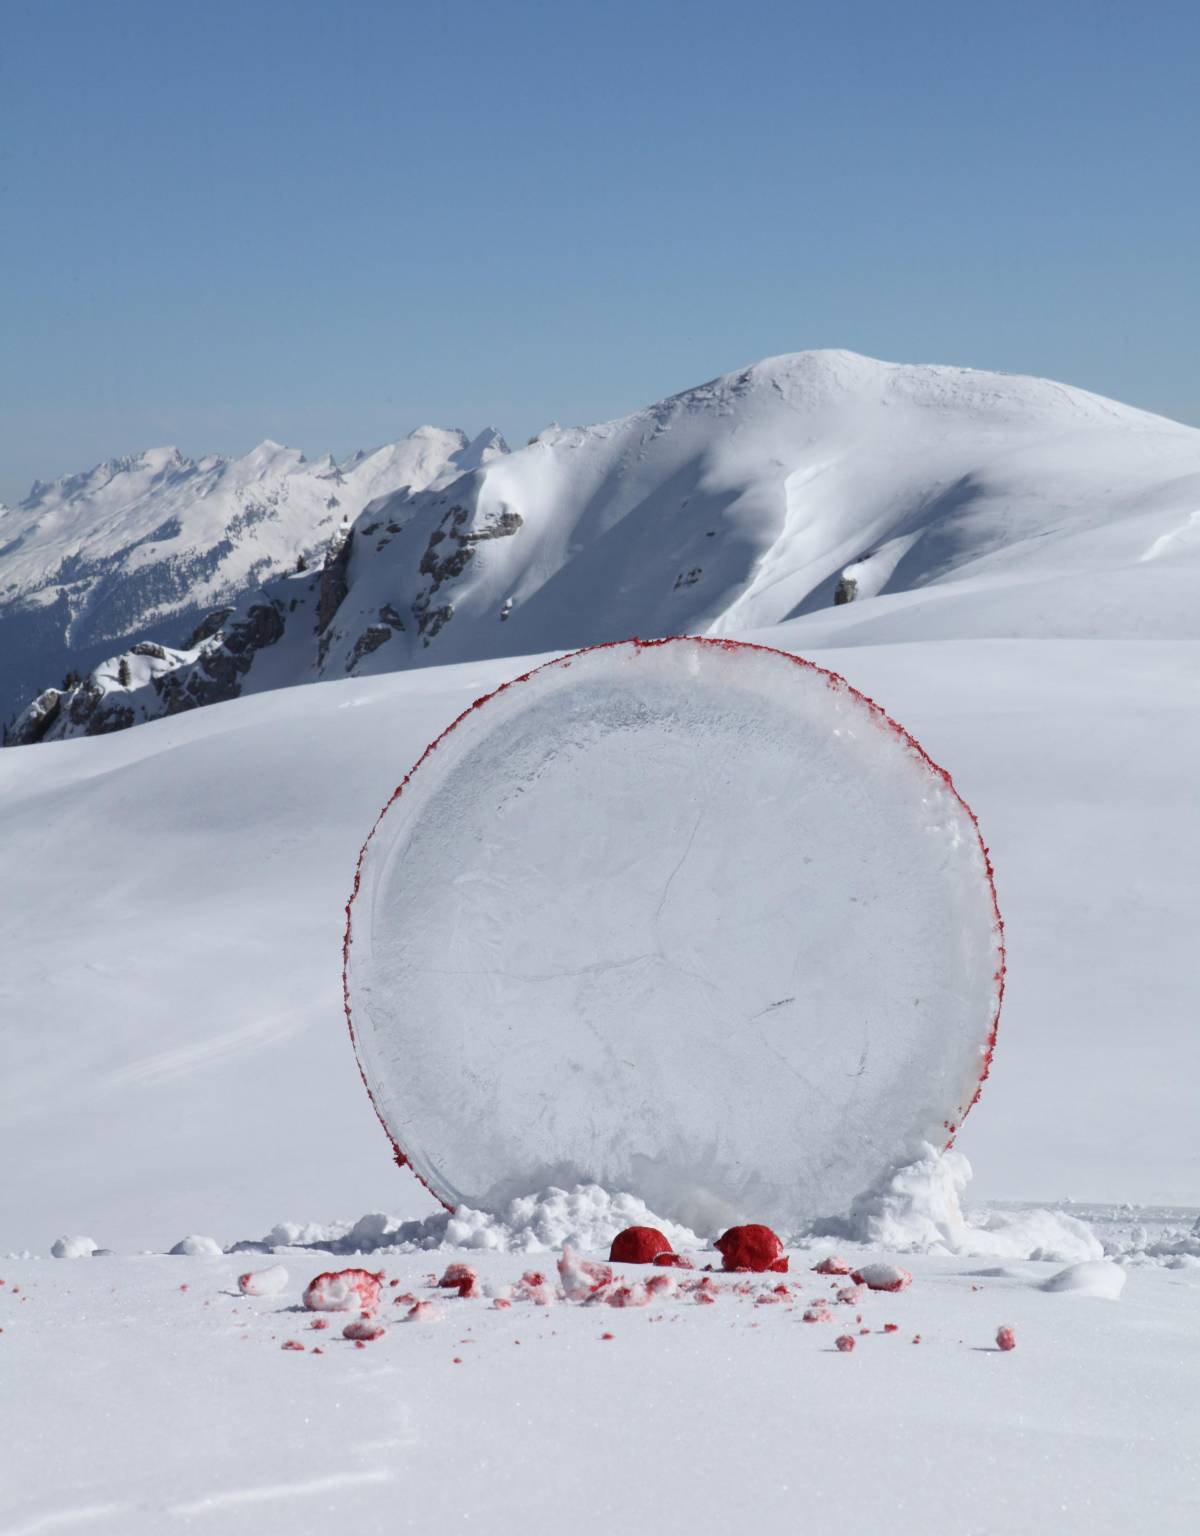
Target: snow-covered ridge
point(142, 548)
point(875, 501)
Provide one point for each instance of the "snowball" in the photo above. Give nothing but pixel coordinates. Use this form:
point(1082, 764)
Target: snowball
point(882, 1277)
point(1006, 1339)
point(263, 1282)
point(844, 1343)
point(364, 1330)
point(833, 1264)
point(73, 1247)
point(194, 1246)
point(424, 1312)
point(461, 1278)
point(1097, 1277)
point(581, 1278)
point(343, 1290)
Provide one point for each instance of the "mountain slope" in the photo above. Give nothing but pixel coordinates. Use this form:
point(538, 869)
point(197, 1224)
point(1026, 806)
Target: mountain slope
point(873, 500)
point(142, 548)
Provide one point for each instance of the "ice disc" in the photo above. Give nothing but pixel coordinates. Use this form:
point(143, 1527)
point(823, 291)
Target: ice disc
point(689, 918)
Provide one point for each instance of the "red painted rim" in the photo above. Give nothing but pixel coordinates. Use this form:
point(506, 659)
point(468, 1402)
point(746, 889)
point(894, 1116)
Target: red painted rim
point(833, 680)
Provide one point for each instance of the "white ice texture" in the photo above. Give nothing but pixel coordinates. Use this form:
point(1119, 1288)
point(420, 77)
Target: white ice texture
point(692, 920)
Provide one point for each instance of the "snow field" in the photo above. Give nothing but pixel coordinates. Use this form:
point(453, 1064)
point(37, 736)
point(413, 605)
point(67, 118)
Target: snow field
point(190, 1370)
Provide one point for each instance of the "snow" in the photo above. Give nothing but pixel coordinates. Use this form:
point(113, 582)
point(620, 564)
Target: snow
point(585, 1216)
point(916, 1207)
point(175, 1056)
point(681, 1410)
point(263, 1282)
point(193, 1245)
point(1094, 1277)
point(946, 502)
point(140, 548)
point(73, 1247)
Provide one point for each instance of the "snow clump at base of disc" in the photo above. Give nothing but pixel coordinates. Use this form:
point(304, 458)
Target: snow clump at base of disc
point(689, 918)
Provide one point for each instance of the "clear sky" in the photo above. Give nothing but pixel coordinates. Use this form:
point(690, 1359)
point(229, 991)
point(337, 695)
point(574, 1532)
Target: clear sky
point(326, 223)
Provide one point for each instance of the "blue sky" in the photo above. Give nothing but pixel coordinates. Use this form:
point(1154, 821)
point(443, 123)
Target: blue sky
point(327, 223)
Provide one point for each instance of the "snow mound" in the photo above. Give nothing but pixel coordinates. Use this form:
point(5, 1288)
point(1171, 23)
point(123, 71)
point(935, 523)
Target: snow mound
point(195, 1246)
point(74, 1247)
point(668, 861)
point(917, 1208)
point(1095, 1277)
point(586, 1218)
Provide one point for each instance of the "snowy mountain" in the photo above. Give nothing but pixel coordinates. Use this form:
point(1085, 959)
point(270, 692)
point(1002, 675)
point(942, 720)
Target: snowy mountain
point(894, 501)
point(143, 548)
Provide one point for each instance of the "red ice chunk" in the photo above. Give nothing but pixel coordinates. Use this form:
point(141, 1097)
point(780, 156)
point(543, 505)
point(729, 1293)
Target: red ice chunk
point(343, 1290)
point(882, 1277)
point(845, 1343)
point(461, 1278)
point(1005, 1338)
point(363, 1331)
point(752, 1247)
point(638, 1245)
point(674, 1261)
point(581, 1278)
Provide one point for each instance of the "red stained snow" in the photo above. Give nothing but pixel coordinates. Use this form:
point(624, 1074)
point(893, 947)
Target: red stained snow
point(463, 1279)
point(891, 1327)
point(845, 1343)
point(752, 1247)
point(581, 1278)
point(1006, 1339)
point(674, 1261)
point(423, 1312)
point(292, 1344)
point(608, 1335)
point(364, 1330)
point(638, 1245)
point(319, 1322)
point(343, 1290)
point(833, 1265)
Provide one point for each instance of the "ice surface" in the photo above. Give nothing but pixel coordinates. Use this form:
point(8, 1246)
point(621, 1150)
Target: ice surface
point(692, 920)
